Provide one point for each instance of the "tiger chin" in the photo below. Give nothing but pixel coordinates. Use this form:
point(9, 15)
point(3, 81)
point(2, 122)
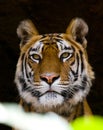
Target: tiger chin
point(53, 73)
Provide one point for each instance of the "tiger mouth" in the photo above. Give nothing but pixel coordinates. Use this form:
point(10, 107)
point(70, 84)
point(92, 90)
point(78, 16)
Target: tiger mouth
point(63, 94)
point(49, 92)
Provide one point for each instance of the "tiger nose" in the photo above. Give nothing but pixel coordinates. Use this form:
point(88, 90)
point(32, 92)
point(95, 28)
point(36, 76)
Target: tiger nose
point(49, 77)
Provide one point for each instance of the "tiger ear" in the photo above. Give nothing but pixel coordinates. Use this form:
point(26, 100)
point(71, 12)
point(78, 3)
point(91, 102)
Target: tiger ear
point(25, 31)
point(78, 29)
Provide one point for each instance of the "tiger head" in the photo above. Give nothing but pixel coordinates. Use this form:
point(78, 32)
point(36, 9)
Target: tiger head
point(53, 73)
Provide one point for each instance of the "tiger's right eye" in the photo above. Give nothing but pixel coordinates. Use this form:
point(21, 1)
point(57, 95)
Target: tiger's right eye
point(35, 57)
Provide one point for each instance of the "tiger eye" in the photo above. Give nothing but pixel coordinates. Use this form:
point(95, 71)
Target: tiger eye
point(36, 56)
point(65, 55)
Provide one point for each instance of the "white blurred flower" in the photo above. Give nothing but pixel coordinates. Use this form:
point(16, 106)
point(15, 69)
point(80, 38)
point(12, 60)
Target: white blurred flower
point(14, 116)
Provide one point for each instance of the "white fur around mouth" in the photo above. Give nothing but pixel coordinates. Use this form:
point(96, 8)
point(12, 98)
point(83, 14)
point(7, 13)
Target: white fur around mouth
point(51, 99)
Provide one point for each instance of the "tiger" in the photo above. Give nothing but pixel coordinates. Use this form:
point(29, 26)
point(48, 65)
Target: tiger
point(53, 73)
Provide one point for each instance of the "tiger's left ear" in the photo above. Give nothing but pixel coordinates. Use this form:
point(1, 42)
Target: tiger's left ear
point(78, 29)
point(25, 31)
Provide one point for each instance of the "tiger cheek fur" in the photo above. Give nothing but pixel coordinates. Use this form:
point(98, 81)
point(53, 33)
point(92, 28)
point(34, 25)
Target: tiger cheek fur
point(53, 72)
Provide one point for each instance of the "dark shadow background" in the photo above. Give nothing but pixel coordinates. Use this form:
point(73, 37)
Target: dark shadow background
point(49, 16)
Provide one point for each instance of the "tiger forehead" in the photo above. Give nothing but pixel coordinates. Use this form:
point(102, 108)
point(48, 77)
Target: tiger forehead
point(51, 41)
point(56, 40)
point(61, 41)
point(50, 38)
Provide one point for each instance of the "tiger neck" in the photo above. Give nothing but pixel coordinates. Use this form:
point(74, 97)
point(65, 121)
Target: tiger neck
point(76, 111)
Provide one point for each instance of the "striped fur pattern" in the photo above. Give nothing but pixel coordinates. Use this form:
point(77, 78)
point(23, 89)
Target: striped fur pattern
point(53, 72)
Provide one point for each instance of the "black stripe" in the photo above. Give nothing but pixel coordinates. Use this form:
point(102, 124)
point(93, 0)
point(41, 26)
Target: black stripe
point(23, 83)
point(22, 57)
point(75, 88)
point(25, 65)
point(59, 40)
point(67, 94)
point(72, 56)
point(67, 48)
point(32, 49)
point(27, 88)
point(77, 57)
point(35, 93)
point(73, 72)
point(78, 63)
point(73, 63)
point(82, 64)
point(22, 68)
point(59, 35)
point(84, 82)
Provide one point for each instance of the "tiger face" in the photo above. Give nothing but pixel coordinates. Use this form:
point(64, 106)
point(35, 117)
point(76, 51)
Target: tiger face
point(53, 73)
